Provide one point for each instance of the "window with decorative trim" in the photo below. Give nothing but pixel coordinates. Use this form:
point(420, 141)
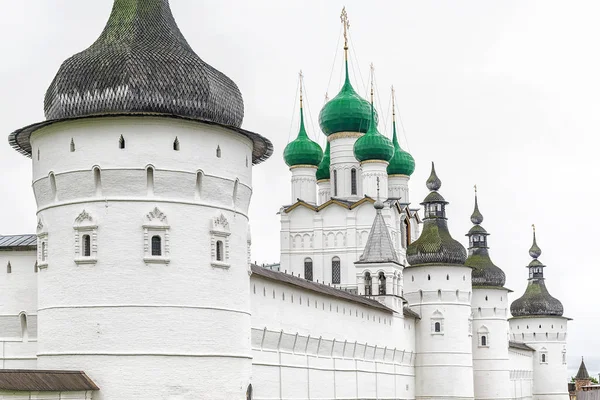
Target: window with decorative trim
point(483, 338)
point(42, 245)
point(437, 323)
point(156, 238)
point(543, 356)
point(220, 242)
point(86, 233)
point(336, 271)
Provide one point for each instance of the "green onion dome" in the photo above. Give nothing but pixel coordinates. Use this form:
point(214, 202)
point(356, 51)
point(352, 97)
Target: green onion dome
point(323, 170)
point(346, 112)
point(402, 163)
point(373, 145)
point(302, 150)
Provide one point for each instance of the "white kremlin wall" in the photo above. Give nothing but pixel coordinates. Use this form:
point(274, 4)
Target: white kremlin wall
point(521, 373)
point(307, 344)
point(18, 309)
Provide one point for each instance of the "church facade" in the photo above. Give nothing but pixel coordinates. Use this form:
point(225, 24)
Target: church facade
point(142, 176)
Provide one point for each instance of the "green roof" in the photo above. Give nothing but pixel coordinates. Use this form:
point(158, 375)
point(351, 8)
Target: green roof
point(373, 145)
point(323, 170)
point(346, 112)
point(402, 163)
point(302, 150)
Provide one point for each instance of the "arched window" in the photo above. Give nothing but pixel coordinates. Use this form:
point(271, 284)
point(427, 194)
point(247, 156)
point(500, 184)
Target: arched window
point(24, 331)
point(150, 180)
point(249, 393)
point(86, 245)
point(543, 357)
point(437, 323)
point(176, 144)
point(219, 250)
point(199, 177)
point(97, 181)
point(72, 145)
point(382, 285)
point(308, 269)
point(121, 142)
point(336, 273)
point(368, 284)
point(353, 181)
point(53, 185)
point(335, 185)
point(235, 190)
point(438, 327)
point(156, 245)
point(484, 340)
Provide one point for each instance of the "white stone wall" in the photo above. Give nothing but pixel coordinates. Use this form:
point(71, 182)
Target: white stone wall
point(309, 345)
point(374, 176)
point(442, 294)
point(521, 373)
point(335, 231)
point(342, 163)
point(490, 359)
point(547, 335)
point(81, 395)
point(141, 326)
point(324, 188)
point(18, 309)
point(398, 187)
point(304, 184)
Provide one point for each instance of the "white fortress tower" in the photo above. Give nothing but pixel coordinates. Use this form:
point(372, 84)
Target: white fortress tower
point(538, 322)
point(438, 287)
point(489, 304)
point(143, 177)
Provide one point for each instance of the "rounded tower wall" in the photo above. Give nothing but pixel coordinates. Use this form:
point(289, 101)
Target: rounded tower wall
point(342, 162)
point(441, 294)
point(491, 369)
point(398, 187)
point(124, 307)
point(304, 184)
point(548, 336)
point(371, 172)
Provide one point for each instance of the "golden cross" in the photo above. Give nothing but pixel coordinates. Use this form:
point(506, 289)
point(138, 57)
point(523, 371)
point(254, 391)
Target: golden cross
point(372, 80)
point(300, 76)
point(346, 23)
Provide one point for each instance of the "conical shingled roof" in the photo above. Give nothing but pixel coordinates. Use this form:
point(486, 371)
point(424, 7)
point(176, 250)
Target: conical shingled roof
point(435, 245)
point(582, 373)
point(536, 301)
point(485, 272)
point(142, 65)
point(379, 247)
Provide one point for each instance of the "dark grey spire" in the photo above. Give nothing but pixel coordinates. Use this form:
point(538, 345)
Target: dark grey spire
point(485, 272)
point(582, 373)
point(536, 301)
point(379, 247)
point(435, 245)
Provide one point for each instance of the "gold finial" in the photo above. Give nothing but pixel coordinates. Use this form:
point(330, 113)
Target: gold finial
point(475, 187)
point(346, 23)
point(393, 104)
point(533, 226)
point(372, 80)
point(300, 76)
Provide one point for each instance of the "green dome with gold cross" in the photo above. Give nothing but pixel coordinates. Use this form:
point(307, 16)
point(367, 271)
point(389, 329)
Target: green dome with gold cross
point(402, 163)
point(302, 150)
point(373, 145)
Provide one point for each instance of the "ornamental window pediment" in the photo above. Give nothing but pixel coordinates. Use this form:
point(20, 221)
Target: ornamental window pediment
point(219, 242)
point(156, 238)
point(86, 238)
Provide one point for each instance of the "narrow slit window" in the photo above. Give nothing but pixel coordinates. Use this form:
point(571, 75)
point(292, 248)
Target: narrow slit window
point(353, 181)
point(335, 185)
point(484, 340)
point(97, 181)
point(8, 268)
point(86, 243)
point(156, 245)
point(199, 178)
point(121, 142)
point(437, 327)
point(24, 330)
point(150, 180)
point(218, 151)
point(176, 144)
point(72, 147)
point(53, 185)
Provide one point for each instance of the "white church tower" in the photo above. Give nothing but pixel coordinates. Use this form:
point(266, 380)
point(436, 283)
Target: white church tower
point(489, 306)
point(438, 287)
point(143, 176)
point(538, 321)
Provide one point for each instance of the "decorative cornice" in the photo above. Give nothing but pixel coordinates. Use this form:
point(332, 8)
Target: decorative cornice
point(342, 135)
point(398, 176)
point(323, 181)
point(374, 162)
point(303, 166)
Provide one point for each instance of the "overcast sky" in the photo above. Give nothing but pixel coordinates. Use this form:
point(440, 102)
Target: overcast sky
point(501, 94)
